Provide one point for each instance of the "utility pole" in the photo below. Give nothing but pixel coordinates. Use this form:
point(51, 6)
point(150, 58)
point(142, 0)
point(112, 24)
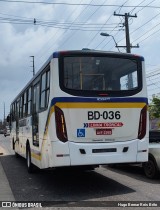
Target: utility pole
point(128, 45)
point(33, 65)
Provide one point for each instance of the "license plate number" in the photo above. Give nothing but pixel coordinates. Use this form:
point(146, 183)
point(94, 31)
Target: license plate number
point(103, 131)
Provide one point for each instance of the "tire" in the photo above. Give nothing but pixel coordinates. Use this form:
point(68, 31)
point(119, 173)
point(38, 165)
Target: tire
point(13, 144)
point(150, 169)
point(13, 147)
point(28, 160)
point(16, 155)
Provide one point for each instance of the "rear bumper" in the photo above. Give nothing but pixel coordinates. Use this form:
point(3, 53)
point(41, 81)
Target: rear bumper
point(95, 153)
point(80, 154)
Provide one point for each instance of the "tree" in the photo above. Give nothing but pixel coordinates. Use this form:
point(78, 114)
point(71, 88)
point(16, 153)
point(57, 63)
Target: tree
point(154, 108)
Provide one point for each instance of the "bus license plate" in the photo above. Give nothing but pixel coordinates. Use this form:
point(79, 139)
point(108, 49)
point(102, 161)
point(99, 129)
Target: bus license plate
point(103, 131)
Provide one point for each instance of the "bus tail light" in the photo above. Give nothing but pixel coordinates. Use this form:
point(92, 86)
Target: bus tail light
point(60, 125)
point(142, 123)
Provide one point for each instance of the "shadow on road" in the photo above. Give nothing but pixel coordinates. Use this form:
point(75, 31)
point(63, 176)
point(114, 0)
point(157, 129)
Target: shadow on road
point(58, 185)
point(132, 170)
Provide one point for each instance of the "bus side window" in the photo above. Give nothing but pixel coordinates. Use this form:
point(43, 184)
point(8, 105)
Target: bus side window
point(36, 98)
point(43, 93)
point(129, 81)
point(21, 107)
point(13, 112)
point(45, 87)
point(29, 98)
point(35, 116)
point(17, 110)
point(24, 105)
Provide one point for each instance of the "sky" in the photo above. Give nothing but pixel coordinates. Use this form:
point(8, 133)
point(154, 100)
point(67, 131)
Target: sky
point(38, 28)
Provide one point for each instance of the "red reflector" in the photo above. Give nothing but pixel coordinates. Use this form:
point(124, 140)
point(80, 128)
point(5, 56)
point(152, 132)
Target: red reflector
point(60, 125)
point(142, 123)
point(103, 94)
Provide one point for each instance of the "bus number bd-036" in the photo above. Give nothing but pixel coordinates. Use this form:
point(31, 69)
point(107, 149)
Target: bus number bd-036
point(96, 115)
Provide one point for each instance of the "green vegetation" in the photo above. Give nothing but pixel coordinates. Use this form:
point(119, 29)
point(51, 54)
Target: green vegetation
point(154, 108)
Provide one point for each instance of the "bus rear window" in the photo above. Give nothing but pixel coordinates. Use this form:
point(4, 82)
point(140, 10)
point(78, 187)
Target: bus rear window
point(102, 74)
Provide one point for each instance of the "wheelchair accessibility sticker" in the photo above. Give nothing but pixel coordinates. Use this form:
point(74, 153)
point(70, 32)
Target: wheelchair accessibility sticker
point(81, 132)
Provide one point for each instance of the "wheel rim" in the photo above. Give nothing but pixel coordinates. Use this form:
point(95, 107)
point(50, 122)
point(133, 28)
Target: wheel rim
point(150, 169)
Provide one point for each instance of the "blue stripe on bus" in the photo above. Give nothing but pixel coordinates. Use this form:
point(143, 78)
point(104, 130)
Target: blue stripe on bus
point(98, 99)
point(57, 54)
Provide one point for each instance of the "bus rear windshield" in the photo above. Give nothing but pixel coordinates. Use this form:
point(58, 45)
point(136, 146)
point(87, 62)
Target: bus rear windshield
point(89, 74)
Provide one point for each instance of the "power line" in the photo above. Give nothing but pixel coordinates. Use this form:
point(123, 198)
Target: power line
point(97, 34)
point(86, 20)
point(145, 23)
point(150, 35)
point(73, 21)
point(146, 33)
point(55, 24)
point(78, 4)
point(136, 6)
point(53, 21)
point(145, 6)
point(115, 26)
point(60, 27)
point(156, 80)
point(152, 75)
point(55, 39)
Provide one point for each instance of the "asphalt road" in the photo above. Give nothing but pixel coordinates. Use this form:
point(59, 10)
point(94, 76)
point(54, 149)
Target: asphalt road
point(122, 184)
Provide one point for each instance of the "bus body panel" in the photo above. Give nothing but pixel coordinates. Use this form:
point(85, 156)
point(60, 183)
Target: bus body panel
point(61, 154)
point(93, 124)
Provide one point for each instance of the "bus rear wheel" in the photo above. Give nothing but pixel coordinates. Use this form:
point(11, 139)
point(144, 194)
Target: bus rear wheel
point(150, 169)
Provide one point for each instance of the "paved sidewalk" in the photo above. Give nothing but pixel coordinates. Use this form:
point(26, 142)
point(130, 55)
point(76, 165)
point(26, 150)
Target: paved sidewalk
point(5, 190)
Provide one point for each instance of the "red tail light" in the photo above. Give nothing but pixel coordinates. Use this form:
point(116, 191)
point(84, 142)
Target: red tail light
point(142, 123)
point(60, 125)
